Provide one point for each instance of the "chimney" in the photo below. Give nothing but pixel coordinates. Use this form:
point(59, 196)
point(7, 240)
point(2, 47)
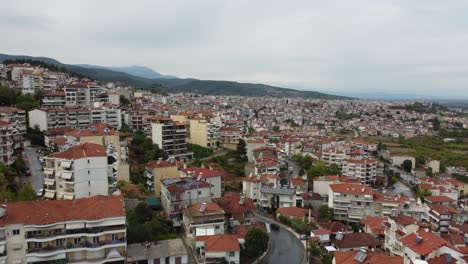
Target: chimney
point(74, 203)
point(241, 201)
point(203, 207)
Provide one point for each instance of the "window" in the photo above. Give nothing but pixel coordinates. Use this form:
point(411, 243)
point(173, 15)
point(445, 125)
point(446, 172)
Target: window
point(16, 232)
point(199, 192)
point(356, 196)
point(115, 237)
point(344, 195)
point(358, 203)
point(217, 227)
point(89, 182)
point(232, 253)
point(89, 172)
point(88, 161)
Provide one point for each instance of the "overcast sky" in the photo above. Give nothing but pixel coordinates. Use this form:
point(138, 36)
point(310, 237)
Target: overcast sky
point(359, 46)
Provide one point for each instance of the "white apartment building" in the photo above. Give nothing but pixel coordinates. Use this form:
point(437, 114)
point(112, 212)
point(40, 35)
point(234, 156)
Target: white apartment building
point(333, 156)
point(171, 136)
point(281, 196)
point(350, 202)
point(87, 230)
point(73, 117)
point(363, 169)
point(215, 178)
point(176, 193)
point(203, 219)
point(6, 143)
point(80, 94)
point(17, 118)
point(252, 185)
point(81, 171)
point(54, 99)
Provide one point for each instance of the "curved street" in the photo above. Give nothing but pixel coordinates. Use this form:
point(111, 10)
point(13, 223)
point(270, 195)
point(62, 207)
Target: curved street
point(285, 247)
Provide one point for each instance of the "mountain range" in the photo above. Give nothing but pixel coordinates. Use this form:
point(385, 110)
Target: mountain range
point(148, 79)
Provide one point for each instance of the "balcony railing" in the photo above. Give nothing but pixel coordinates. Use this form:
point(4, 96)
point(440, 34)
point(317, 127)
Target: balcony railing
point(83, 245)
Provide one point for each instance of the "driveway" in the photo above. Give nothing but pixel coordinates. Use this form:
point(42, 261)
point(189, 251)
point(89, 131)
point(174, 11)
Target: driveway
point(37, 176)
point(285, 247)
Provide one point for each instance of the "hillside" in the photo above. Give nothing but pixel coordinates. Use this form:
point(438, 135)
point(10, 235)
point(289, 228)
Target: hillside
point(139, 71)
point(208, 87)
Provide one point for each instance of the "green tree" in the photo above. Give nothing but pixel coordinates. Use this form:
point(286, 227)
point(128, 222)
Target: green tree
point(276, 128)
point(333, 169)
point(200, 152)
point(407, 165)
point(123, 100)
point(35, 135)
point(241, 150)
point(436, 124)
point(27, 193)
point(256, 242)
point(325, 213)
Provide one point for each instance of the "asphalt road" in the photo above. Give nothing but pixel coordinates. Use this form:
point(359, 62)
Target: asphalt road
point(402, 189)
point(285, 247)
point(37, 176)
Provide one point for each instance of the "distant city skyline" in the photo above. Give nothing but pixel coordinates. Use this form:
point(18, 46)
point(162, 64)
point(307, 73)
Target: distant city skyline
point(363, 47)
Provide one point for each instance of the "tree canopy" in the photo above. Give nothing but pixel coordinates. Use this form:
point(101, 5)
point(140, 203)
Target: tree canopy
point(146, 225)
point(256, 242)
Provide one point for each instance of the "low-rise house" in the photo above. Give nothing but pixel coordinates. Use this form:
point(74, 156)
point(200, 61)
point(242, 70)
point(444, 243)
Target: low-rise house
point(354, 242)
point(236, 206)
point(364, 256)
point(396, 228)
point(321, 235)
point(335, 227)
point(440, 216)
point(424, 245)
point(292, 212)
point(375, 226)
point(213, 249)
point(203, 219)
point(252, 185)
point(87, 230)
point(165, 251)
point(215, 178)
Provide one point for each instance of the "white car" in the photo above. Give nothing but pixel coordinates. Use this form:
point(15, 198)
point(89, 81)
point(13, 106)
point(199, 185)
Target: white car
point(40, 192)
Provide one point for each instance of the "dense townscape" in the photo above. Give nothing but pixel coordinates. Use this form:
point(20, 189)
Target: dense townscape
point(103, 172)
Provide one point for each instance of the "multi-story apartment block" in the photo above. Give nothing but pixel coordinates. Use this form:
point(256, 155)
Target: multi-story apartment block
point(6, 143)
point(229, 137)
point(17, 118)
point(350, 202)
point(440, 216)
point(203, 219)
point(279, 196)
point(397, 227)
point(105, 135)
point(138, 120)
point(333, 156)
point(73, 117)
point(81, 171)
point(79, 94)
point(157, 170)
point(87, 230)
point(252, 185)
point(203, 133)
point(176, 193)
point(171, 136)
point(364, 169)
point(54, 99)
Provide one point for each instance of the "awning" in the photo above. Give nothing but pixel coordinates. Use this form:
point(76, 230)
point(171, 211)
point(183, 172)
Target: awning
point(68, 196)
point(113, 254)
point(66, 164)
point(67, 175)
point(49, 194)
point(205, 231)
point(78, 225)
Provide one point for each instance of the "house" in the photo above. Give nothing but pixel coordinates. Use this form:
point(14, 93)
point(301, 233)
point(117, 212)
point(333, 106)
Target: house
point(354, 242)
point(292, 212)
point(321, 235)
point(322, 184)
point(78, 172)
point(176, 193)
point(440, 200)
point(236, 206)
point(395, 228)
point(86, 230)
point(229, 137)
point(203, 219)
point(335, 227)
point(156, 170)
point(212, 249)
point(364, 256)
point(350, 202)
point(375, 226)
point(252, 185)
point(280, 196)
point(440, 216)
point(215, 178)
point(423, 245)
point(7, 142)
point(165, 251)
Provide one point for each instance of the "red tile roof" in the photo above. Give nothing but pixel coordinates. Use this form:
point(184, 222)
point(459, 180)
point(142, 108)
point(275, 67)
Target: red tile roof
point(292, 211)
point(220, 243)
point(230, 203)
point(47, 212)
point(81, 151)
point(97, 129)
point(371, 258)
point(430, 242)
point(209, 208)
point(374, 223)
point(160, 164)
point(350, 188)
point(439, 199)
point(356, 240)
point(297, 182)
point(206, 173)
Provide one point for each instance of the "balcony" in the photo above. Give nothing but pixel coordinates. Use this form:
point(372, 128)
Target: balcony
point(87, 246)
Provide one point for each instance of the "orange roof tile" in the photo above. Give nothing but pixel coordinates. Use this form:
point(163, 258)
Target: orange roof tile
point(220, 242)
point(81, 151)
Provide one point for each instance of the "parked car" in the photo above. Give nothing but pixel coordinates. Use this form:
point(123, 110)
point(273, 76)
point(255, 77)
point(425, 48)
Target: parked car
point(274, 227)
point(303, 237)
point(40, 192)
point(28, 173)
